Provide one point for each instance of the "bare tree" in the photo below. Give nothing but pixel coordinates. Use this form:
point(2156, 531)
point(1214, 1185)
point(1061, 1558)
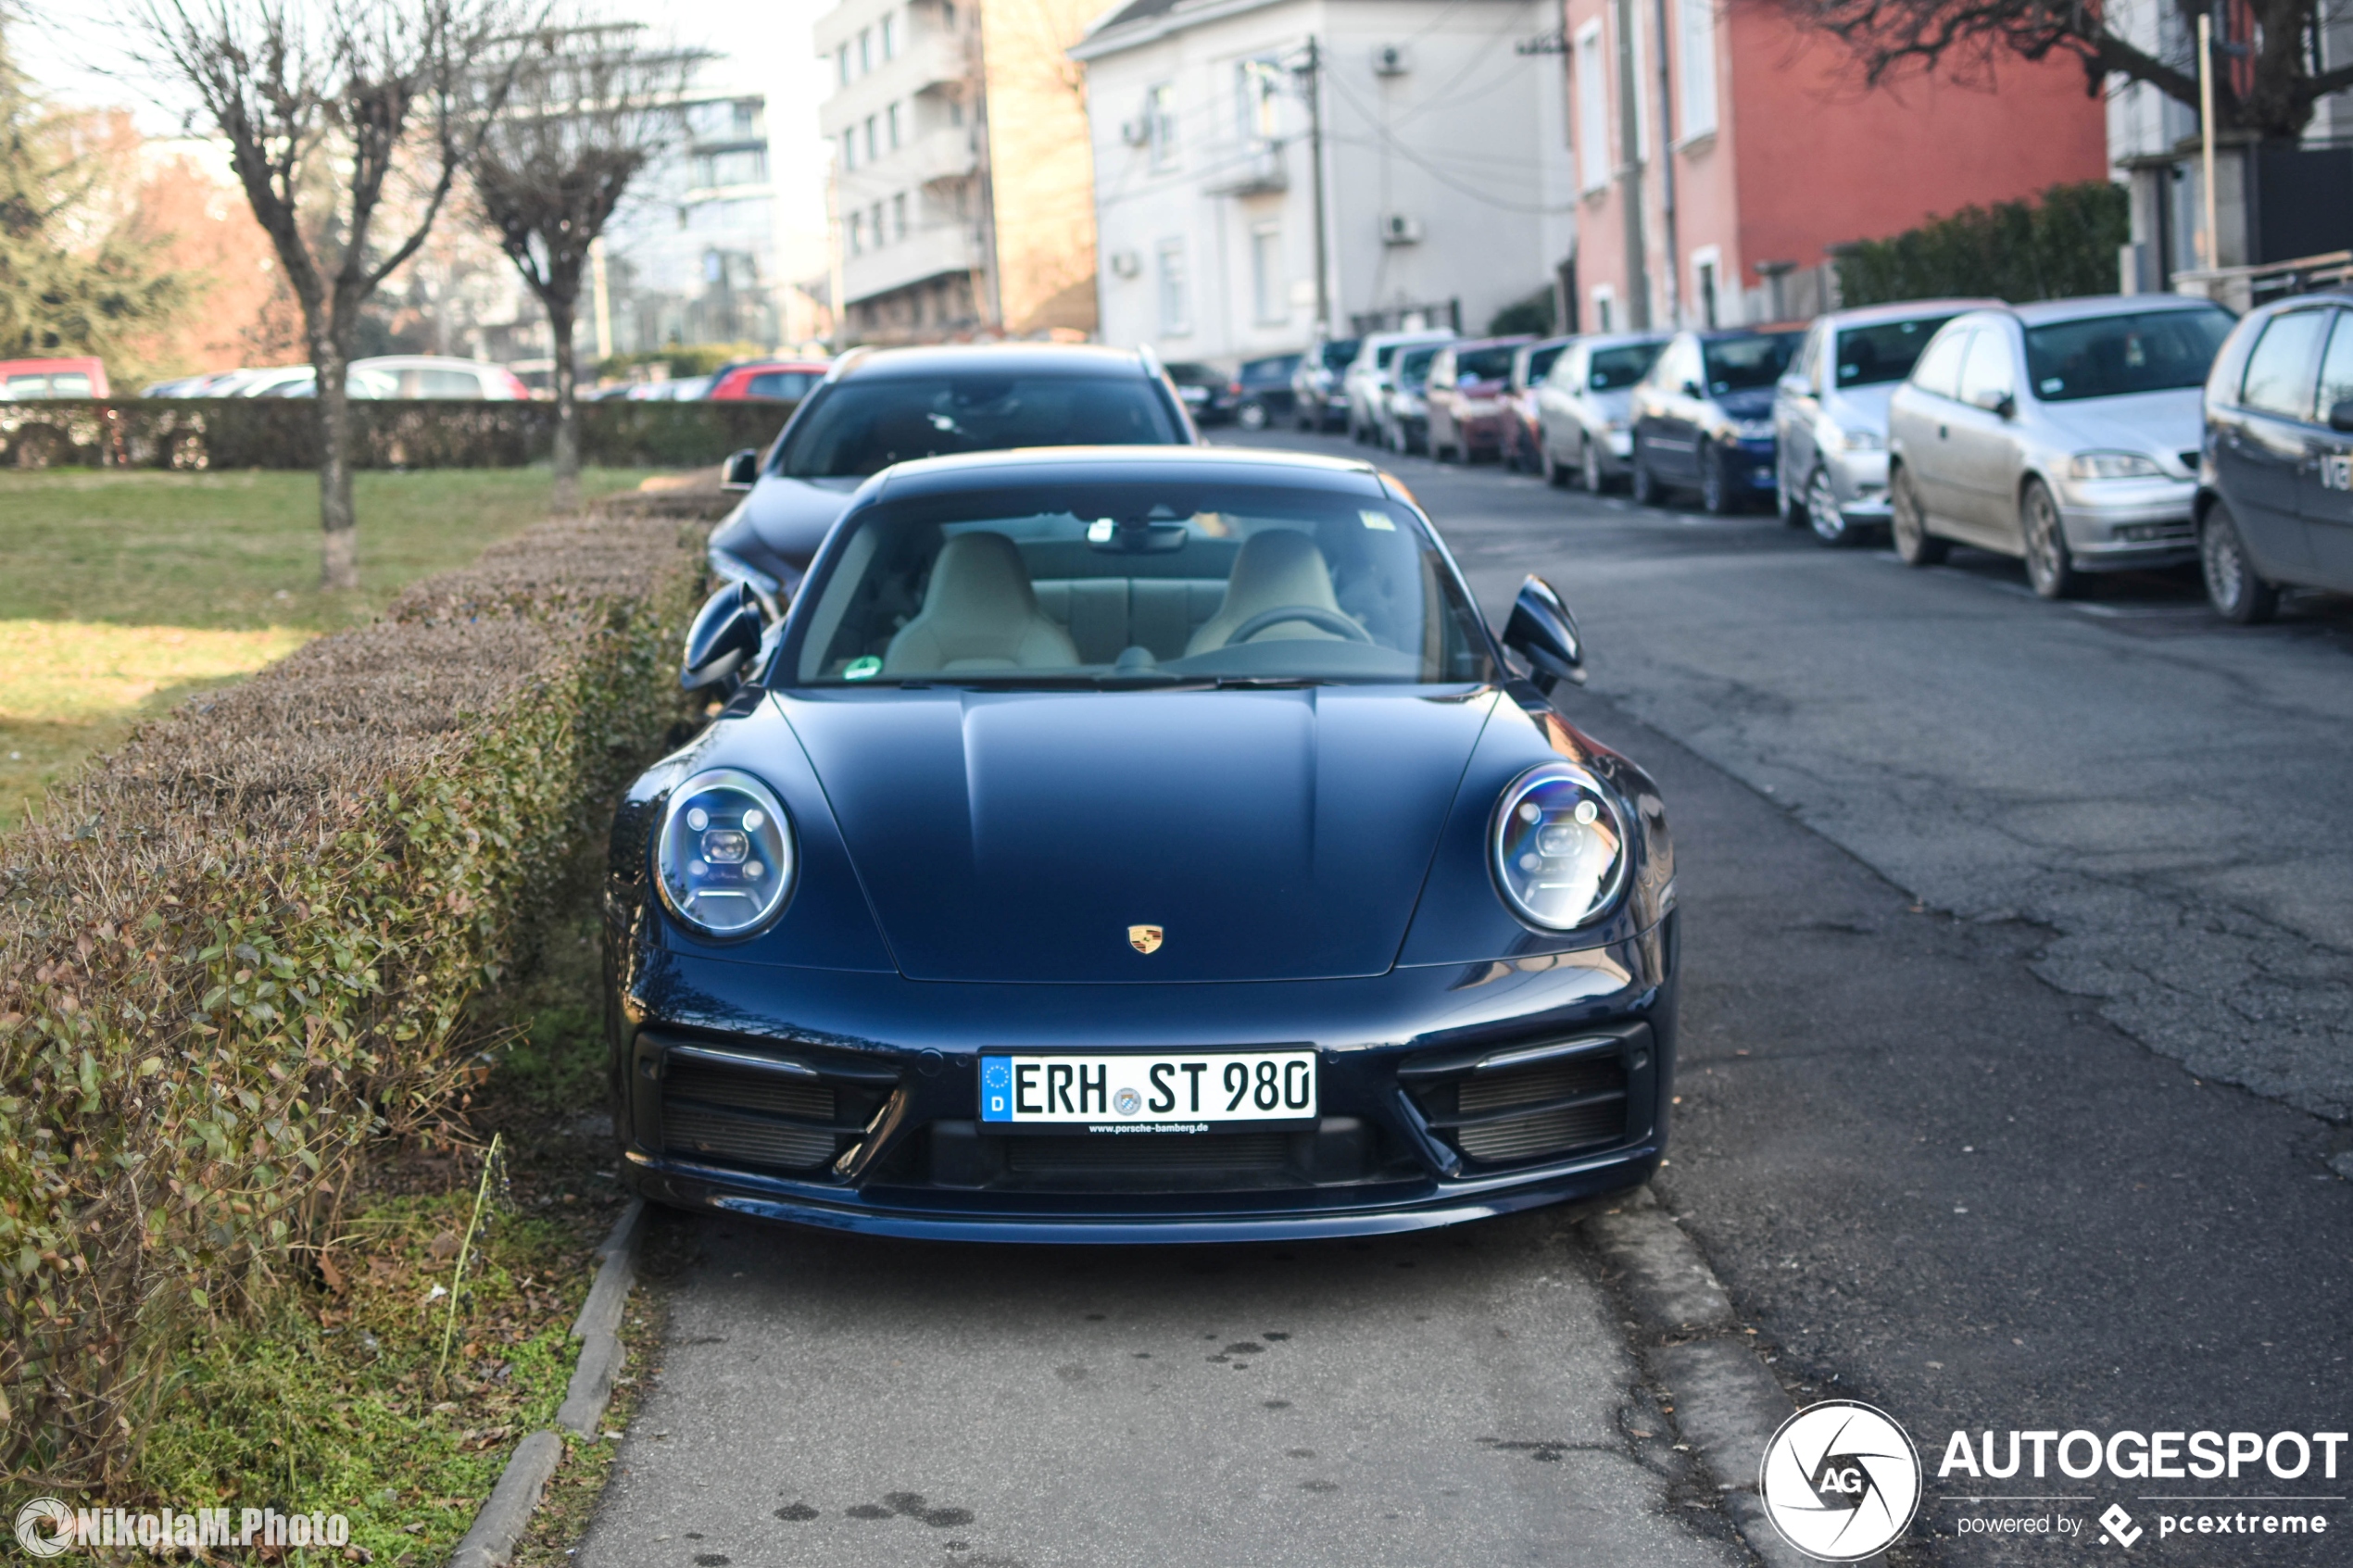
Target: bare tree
point(590, 107)
point(2267, 85)
point(322, 103)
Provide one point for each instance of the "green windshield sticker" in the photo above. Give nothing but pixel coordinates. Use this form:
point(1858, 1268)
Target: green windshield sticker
point(865, 668)
point(1378, 520)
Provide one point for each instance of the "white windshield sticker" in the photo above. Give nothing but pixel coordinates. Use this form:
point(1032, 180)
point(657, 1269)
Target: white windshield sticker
point(1381, 520)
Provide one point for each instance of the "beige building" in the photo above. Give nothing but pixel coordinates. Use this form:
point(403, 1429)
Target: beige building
point(962, 172)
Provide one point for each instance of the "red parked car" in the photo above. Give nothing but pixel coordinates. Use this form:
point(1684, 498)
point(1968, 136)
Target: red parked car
point(32, 380)
point(775, 381)
point(1468, 382)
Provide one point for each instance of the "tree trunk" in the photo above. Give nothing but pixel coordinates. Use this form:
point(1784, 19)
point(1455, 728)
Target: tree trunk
point(567, 496)
point(339, 523)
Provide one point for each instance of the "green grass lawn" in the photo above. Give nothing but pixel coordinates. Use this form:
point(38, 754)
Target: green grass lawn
point(127, 589)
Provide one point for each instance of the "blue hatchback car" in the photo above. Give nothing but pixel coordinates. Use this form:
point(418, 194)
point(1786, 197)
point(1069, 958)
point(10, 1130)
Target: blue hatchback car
point(1143, 845)
point(1703, 416)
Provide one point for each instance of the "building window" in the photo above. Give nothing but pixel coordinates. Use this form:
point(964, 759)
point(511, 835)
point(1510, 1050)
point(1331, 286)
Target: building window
point(898, 216)
point(955, 111)
point(1706, 266)
point(1256, 84)
point(865, 50)
point(857, 234)
point(1697, 46)
point(877, 222)
point(873, 144)
point(1605, 308)
point(850, 149)
point(948, 14)
point(892, 114)
point(1592, 110)
point(1160, 122)
point(890, 35)
point(1175, 318)
point(1266, 290)
point(841, 64)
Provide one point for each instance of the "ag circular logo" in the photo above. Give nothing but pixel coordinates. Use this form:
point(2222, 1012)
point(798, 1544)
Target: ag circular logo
point(51, 1512)
point(1840, 1480)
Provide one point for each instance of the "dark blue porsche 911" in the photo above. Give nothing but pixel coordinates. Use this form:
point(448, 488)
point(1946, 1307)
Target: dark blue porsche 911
point(1138, 844)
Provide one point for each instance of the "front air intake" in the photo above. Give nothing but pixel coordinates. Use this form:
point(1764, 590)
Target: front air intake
point(1523, 1103)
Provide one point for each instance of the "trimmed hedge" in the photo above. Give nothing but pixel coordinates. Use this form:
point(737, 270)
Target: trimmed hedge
point(2061, 246)
point(246, 945)
point(282, 432)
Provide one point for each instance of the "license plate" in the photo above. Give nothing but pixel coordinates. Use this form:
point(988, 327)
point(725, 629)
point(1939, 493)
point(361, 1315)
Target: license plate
point(1178, 1092)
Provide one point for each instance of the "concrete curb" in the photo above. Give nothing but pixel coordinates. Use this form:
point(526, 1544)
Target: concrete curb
point(1726, 1404)
point(491, 1541)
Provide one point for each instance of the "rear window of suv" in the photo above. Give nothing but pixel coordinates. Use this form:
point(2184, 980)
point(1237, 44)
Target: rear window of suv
point(861, 427)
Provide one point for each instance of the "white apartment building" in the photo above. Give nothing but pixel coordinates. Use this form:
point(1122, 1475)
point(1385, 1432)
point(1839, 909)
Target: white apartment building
point(910, 187)
point(1448, 189)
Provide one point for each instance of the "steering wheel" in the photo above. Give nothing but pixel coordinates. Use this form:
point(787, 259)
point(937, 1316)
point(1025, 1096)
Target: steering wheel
point(1327, 619)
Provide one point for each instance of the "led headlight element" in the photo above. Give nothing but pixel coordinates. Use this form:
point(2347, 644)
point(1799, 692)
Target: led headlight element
point(1558, 847)
point(725, 858)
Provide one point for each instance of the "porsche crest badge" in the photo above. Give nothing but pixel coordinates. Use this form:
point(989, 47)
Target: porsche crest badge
point(1145, 938)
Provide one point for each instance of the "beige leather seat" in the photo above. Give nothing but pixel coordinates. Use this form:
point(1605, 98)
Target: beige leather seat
point(979, 613)
point(1271, 570)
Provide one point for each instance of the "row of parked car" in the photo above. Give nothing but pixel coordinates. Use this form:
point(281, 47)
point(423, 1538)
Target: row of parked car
point(2077, 436)
point(434, 376)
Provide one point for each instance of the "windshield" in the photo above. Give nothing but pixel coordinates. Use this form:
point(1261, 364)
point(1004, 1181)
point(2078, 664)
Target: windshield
point(1615, 368)
point(1340, 356)
point(861, 426)
point(2114, 356)
point(1413, 365)
point(1137, 583)
point(1487, 364)
point(1740, 364)
point(1540, 364)
point(1867, 356)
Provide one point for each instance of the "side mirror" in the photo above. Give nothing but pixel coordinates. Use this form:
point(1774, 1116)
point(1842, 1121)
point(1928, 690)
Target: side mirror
point(1542, 631)
point(742, 470)
point(2000, 403)
point(727, 633)
point(2341, 414)
point(1691, 389)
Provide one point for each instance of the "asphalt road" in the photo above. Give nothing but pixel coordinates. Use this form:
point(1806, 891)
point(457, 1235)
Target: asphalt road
point(2014, 975)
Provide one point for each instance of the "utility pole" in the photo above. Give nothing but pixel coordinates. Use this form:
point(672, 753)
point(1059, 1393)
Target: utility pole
point(1310, 74)
point(2205, 134)
point(1671, 293)
point(1629, 179)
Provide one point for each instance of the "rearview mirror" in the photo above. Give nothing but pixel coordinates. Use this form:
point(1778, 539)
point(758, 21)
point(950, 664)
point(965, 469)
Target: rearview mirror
point(742, 470)
point(1542, 631)
point(726, 634)
point(2341, 414)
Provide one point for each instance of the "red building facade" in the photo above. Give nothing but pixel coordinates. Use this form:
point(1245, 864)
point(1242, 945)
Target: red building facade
point(1755, 148)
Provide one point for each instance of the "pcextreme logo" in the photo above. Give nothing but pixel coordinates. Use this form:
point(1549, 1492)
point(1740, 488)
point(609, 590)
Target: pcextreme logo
point(1840, 1480)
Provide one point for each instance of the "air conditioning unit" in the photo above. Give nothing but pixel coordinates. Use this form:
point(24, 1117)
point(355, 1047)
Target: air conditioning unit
point(1396, 229)
point(1388, 59)
point(1136, 132)
point(1125, 264)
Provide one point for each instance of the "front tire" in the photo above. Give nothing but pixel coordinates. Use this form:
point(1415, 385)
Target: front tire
point(1554, 475)
point(1820, 511)
point(1647, 490)
point(2231, 587)
point(1915, 545)
point(1589, 461)
point(2050, 571)
point(1714, 496)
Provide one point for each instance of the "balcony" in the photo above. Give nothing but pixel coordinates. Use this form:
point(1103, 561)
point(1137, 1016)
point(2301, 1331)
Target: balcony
point(924, 253)
point(1244, 168)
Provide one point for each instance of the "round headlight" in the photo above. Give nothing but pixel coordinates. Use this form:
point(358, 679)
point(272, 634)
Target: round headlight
point(725, 858)
point(1559, 847)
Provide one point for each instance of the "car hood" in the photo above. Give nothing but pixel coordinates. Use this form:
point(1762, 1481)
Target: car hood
point(780, 524)
point(1862, 407)
point(1752, 403)
point(1018, 835)
point(2166, 422)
